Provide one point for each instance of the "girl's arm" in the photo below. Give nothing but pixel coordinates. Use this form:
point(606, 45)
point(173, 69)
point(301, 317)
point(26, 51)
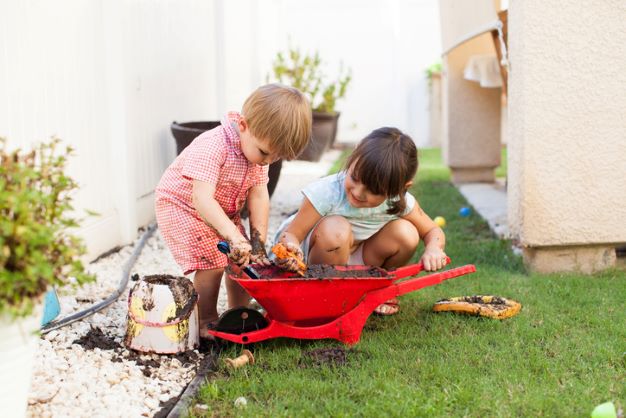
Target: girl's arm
point(259, 209)
point(212, 213)
point(434, 257)
point(297, 230)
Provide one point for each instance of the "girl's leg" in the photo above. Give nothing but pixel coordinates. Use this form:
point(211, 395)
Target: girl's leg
point(207, 284)
point(330, 241)
point(392, 246)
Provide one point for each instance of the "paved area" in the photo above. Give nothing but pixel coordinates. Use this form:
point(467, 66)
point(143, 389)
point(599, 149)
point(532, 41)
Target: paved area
point(489, 200)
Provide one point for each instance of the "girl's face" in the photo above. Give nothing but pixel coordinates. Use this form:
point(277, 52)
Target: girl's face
point(358, 195)
point(256, 150)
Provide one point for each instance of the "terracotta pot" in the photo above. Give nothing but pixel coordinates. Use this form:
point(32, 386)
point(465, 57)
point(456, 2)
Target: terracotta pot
point(186, 132)
point(323, 135)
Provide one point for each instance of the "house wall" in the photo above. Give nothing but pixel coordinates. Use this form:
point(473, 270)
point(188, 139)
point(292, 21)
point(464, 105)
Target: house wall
point(107, 78)
point(567, 132)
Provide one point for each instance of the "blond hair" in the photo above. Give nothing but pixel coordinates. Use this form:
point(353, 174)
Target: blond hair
point(280, 115)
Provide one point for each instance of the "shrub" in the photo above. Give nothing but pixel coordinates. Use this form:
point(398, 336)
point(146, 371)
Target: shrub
point(37, 246)
point(304, 72)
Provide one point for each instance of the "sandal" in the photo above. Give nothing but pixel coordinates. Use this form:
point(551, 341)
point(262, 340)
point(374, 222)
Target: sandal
point(391, 307)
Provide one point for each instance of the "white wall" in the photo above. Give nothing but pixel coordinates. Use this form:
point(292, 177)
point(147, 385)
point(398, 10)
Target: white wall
point(107, 77)
point(387, 44)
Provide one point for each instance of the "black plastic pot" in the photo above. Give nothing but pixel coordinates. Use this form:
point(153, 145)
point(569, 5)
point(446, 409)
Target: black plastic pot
point(323, 135)
point(186, 132)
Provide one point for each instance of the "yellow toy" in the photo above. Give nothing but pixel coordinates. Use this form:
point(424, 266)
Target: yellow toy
point(440, 221)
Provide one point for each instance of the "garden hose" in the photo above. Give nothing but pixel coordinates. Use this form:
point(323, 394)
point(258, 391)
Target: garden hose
point(113, 297)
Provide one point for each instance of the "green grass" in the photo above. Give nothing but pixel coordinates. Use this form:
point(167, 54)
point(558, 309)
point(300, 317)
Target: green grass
point(562, 355)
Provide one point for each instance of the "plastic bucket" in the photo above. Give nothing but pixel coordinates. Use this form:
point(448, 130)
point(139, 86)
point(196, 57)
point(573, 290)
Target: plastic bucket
point(162, 315)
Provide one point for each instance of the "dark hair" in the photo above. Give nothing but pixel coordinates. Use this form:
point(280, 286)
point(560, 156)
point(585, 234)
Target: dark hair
point(384, 161)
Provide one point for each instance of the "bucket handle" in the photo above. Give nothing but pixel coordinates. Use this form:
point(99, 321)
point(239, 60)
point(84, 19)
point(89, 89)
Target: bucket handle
point(183, 317)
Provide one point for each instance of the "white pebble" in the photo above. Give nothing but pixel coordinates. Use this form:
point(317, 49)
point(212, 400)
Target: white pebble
point(241, 402)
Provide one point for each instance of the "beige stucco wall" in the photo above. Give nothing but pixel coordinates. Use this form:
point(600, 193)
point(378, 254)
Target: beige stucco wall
point(471, 116)
point(567, 123)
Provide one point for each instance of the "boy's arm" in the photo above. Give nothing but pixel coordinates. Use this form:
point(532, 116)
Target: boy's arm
point(259, 209)
point(434, 257)
point(215, 217)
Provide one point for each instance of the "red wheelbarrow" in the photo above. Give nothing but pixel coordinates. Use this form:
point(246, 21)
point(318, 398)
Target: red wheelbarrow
point(317, 308)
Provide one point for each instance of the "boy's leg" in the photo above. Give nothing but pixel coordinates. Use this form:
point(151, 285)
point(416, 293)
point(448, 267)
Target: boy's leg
point(392, 246)
point(207, 284)
point(330, 241)
point(237, 295)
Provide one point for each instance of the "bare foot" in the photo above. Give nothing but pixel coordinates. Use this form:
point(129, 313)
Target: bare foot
point(205, 326)
point(391, 307)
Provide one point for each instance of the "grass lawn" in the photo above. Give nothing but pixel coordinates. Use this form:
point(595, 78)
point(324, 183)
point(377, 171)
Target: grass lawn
point(562, 355)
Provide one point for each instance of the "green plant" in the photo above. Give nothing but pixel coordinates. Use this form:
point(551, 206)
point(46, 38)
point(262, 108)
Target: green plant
point(434, 68)
point(304, 72)
point(37, 248)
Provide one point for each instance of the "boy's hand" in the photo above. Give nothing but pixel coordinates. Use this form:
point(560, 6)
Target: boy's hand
point(240, 252)
point(260, 258)
point(291, 263)
point(433, 259)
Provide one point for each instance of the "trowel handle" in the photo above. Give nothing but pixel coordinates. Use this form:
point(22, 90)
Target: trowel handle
point(225, 249)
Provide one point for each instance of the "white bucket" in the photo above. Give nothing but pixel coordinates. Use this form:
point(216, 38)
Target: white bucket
point(162, 315)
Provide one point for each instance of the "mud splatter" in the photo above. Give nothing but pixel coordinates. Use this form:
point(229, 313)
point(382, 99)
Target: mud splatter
point(334, 356)
point(258, 245)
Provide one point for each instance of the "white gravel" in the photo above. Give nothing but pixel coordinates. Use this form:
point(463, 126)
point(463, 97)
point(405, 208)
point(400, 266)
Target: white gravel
point(71, 381)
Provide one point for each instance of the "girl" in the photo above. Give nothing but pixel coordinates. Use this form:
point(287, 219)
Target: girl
point(364, 214)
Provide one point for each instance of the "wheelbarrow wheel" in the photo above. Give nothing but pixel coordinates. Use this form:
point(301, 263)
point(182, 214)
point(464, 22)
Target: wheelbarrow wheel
point(241, 320)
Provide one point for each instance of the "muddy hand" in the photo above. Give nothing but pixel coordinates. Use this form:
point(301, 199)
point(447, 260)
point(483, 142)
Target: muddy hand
point(289, 257)
point(260, 259)
point(240, 252)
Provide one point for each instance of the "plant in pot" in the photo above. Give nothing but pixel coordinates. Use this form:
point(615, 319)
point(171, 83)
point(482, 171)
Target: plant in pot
point(304, 72)
point(37, 251)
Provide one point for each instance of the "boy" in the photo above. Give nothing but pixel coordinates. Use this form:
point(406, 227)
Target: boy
point(201, 194)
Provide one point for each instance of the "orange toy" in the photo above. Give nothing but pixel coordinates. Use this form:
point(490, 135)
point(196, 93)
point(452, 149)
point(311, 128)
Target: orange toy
point(281, 252)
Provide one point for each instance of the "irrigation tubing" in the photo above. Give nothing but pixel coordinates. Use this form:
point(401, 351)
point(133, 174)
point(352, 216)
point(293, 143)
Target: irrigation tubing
point(113, 297)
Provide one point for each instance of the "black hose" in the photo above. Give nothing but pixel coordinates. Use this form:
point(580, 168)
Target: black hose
point(113, 297)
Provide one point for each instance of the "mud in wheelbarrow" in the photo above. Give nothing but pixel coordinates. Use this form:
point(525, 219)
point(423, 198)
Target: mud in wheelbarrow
point(329, 307)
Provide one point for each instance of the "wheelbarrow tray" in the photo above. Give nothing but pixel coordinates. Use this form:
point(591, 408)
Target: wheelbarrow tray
point(312, 301)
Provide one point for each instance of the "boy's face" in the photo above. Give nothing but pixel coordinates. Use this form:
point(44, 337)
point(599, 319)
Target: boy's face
point(256, 150)
point(358, 195)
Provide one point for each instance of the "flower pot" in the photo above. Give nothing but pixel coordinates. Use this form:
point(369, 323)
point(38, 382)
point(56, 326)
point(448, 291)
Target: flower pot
point(323, 135)
point(18, 344)
point(186, 132)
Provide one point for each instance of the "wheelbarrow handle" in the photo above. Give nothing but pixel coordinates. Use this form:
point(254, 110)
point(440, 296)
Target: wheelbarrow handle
point(224, 248)
point(411, 270)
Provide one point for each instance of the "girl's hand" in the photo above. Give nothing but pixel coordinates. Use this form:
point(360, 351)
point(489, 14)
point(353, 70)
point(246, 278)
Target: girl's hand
point(240, 252)
point(291, 263)
point(433, 259)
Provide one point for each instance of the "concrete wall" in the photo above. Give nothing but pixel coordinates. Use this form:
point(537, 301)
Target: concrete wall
point(567, 132)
